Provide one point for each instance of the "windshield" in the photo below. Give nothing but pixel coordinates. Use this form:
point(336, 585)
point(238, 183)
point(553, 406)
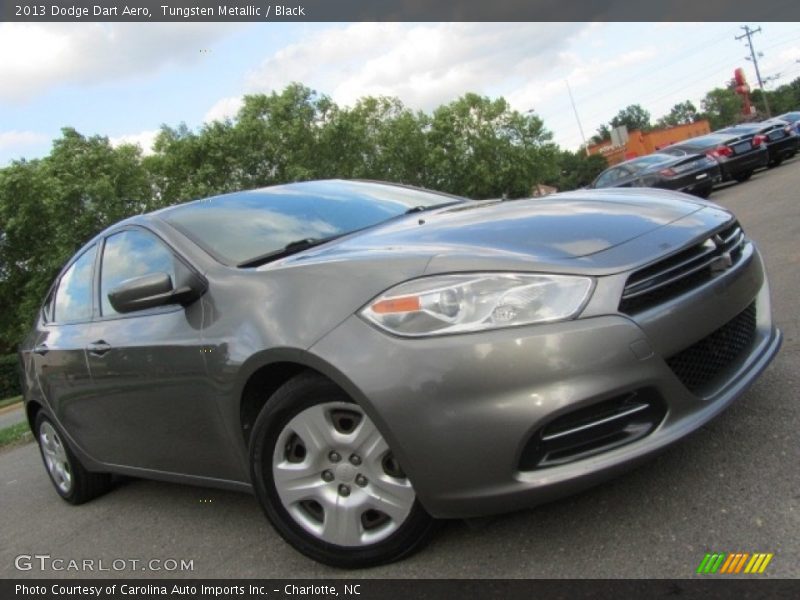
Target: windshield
point(236, 228)
point(697, 144)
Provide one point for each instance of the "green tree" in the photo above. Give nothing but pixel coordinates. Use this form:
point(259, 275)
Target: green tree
point(722, 107)
point(784, 98)
point(576, 170)
point(632, 117)
point(378, 138)
point(481, 148)
point(50, 207)
point(682, 113)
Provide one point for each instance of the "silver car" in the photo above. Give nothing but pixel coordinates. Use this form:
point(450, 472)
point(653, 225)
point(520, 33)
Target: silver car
point(367, 358)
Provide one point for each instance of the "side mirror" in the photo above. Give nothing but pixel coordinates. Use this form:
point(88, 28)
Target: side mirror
point(149, 291)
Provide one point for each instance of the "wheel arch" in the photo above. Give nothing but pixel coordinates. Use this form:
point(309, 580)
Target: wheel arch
point(264, 373)
point(32, 409)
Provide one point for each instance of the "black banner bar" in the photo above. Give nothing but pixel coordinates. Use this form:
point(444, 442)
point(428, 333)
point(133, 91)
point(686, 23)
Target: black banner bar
point(388, 589)
point(398, 10)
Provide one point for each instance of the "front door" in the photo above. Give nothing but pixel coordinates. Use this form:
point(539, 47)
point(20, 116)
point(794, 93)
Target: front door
point(153, 404)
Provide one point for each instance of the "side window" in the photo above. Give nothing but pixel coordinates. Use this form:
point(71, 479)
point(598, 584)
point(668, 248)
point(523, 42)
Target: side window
point(128, 254)
point(73, 299)
point(607, 178)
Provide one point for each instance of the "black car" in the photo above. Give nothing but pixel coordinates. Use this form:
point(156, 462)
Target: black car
point(780, 137)
point(695, 173)
point(738, 155)
point(793, 118)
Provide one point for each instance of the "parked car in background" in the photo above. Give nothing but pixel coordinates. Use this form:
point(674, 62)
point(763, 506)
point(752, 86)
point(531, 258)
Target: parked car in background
point(737, 155)
point(793, 118)
point(695, 173)
point(367, 357)
point(781, 137)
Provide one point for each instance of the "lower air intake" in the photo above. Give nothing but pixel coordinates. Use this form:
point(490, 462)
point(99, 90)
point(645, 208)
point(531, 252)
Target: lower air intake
point(594, 429)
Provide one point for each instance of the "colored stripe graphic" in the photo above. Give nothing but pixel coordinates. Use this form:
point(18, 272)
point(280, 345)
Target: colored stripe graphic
point(734, 562)
point(741, 562)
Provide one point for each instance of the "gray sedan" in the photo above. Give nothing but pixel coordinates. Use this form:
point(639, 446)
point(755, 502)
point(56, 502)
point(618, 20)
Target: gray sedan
point(368, 358)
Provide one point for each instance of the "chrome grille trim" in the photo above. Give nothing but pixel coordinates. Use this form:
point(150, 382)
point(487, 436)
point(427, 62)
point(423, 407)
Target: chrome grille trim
point(682, 271)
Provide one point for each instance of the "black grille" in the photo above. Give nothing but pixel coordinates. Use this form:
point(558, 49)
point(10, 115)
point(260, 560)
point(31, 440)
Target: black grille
point(701, 363)
point(594, 429)
point(683, 271)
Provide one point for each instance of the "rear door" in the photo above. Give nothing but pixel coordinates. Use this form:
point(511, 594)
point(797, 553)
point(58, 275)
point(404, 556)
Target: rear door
point(153, 405)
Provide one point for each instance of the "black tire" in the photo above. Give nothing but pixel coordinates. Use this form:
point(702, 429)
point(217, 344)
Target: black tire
point(305, 391)
point(775, 163)
point(703, 192)
point(742, 177)
point(85, 485)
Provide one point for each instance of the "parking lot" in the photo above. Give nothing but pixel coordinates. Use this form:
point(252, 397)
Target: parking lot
point(733, 486)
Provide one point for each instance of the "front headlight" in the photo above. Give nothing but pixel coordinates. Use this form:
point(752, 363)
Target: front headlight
point(476, 301)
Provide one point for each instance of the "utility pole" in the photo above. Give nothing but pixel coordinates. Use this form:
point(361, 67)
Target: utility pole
point(748, 33)
point(577, 118)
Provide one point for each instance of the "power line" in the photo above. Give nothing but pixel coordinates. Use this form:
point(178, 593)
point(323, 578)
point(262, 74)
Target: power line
point(748, 33)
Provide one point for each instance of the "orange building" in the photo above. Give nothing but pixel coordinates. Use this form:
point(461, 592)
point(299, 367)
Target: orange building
point(641, 143)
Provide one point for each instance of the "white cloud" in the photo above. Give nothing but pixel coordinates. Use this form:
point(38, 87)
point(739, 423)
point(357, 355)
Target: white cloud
point(143, 139)
point(423, 64)
point(37, 57)
point(580, 74)
point(10, 141)
point(226, 108)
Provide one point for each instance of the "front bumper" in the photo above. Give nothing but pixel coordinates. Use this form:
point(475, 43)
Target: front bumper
point(459, 410)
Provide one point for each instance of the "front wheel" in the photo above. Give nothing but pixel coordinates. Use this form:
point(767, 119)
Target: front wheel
point(703, 192)
point(328, 481)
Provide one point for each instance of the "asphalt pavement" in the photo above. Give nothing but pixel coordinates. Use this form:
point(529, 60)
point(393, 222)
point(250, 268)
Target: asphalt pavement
point(733, 486)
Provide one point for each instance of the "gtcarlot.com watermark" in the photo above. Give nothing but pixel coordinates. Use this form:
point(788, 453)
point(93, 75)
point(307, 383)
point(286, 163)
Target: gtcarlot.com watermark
point(46, 562)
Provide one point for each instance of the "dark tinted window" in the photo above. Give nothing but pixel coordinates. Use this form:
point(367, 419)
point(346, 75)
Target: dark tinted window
point(242, 226)
point(128, 254)
point(646, 162)
point(73, 301)
point(746, 129)
point(606, 178)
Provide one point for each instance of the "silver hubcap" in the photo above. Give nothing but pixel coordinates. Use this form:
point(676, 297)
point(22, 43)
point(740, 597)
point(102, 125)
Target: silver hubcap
point(337, 478)
point(55, 457)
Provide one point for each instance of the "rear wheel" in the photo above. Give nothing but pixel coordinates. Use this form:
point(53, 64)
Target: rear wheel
point(775, 163)
point(741, 177)
point(328, 481)
point(72, 481)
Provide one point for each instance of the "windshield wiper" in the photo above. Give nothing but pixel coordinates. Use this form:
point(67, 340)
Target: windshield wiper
point(425, 208)
point(287, 250)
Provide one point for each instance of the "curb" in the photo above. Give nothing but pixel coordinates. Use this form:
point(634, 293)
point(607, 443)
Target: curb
point(11, 407)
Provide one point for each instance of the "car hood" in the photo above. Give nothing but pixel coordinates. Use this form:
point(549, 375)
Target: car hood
point(562, 226)
point(589, 231)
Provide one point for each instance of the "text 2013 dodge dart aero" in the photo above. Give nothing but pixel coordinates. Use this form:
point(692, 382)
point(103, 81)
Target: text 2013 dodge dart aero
point(368, 357)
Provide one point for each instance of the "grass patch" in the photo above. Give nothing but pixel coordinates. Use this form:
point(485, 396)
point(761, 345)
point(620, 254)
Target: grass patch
point(10, 401)
point(15, 434)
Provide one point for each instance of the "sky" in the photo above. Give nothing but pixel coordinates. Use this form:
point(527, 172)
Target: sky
point(125, 80)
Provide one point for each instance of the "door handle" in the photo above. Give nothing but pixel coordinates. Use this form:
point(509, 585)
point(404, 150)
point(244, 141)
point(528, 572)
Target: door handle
point(41, 349)
point(98, 348)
